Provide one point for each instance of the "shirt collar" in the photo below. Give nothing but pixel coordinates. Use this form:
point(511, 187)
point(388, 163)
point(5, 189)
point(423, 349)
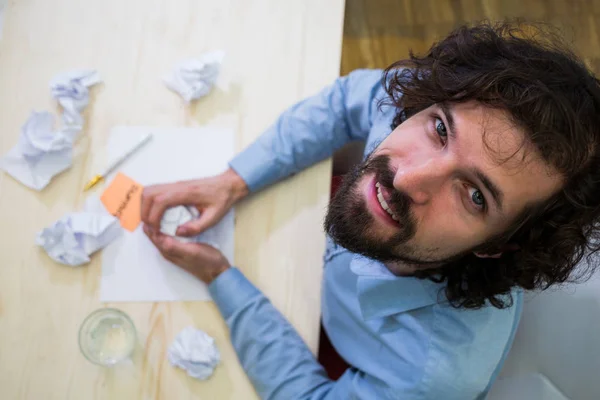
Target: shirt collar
point(381, 293)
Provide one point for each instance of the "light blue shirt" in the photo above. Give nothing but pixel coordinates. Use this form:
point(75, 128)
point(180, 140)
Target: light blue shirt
point(403, 340)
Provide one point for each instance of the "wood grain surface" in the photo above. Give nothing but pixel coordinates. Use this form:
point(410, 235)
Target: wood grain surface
point(277, 52)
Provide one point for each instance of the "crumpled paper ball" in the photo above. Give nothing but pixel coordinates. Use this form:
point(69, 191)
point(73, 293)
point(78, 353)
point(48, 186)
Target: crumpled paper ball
point(176, 216)
point(194, 351)
point(73, 238)
point(71, 90)
point(179, 215)
point(194, 78)
point(41, 152)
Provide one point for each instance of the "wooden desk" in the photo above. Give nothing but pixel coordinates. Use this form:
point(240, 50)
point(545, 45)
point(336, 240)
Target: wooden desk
point(277, 53)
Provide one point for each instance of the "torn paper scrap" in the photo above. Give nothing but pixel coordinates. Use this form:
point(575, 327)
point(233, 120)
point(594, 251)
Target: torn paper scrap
point(73, 238)
point(175, 217)
point(195, 78)
point(71, 91)
point(195, 352)
point(40, 154)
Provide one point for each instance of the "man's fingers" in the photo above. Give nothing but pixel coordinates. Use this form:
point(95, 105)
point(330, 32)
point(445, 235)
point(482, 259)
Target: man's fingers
point(153, 236)
point(165, 200)
point(168, 245)
point(159, 241)
point(173, 260)
point(147, 200)
point(197, 226)
point(156, 212)
point(174, 248)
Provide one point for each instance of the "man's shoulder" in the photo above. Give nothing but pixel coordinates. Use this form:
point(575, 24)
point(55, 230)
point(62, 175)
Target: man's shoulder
point(441, 352)
point(467, 346)
point(366, 80)
point(366, 73)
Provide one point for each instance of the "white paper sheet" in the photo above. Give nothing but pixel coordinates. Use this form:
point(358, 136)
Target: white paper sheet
point(132, 268)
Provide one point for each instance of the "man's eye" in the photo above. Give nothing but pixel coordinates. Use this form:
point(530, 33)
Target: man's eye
point(477, 197)
point(440, 129)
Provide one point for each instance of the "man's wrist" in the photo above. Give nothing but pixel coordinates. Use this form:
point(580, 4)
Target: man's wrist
point(231, 291)
point(238, 185)
point(208, 276)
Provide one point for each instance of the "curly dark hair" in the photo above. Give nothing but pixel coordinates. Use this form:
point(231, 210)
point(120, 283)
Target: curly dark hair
point(528, 71)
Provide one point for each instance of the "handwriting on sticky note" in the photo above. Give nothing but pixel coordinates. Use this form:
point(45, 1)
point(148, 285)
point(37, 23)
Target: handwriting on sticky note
point(123, 199)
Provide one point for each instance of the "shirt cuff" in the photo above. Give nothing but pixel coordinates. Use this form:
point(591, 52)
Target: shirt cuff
point(254, 166)
point(231, 290)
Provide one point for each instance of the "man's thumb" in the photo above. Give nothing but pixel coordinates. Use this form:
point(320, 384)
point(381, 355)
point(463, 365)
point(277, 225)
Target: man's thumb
point(206, 220)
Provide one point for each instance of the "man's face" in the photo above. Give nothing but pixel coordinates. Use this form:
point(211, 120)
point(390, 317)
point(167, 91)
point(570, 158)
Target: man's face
point(442, 183)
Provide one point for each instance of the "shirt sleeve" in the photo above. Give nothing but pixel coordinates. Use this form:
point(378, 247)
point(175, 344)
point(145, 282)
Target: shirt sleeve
point(275, 358)
point(312, 130)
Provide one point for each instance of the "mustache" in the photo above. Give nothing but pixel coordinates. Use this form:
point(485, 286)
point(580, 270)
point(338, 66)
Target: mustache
point(350, 224)
point(380, 165)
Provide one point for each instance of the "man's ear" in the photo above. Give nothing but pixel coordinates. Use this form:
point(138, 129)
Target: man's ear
point(507, 248)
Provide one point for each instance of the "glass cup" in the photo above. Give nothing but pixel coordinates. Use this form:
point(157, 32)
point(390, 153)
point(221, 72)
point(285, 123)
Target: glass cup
point(107, 336)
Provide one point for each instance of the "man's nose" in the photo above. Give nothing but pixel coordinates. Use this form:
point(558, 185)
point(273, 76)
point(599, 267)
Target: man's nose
point(421, 177)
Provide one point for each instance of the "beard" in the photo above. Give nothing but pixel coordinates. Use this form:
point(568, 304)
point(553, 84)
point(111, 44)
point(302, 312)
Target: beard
point(351, 225)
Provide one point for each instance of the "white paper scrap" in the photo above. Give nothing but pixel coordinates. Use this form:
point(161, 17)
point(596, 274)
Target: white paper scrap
point(71, 91)
point(73, 238)
point(194, 78)
point(40, 154)
point(43, 152)
point(175, 217)
point(194, 351)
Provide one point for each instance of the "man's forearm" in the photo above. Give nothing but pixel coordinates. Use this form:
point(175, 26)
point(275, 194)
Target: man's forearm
point(311, 130)
point(275, 358)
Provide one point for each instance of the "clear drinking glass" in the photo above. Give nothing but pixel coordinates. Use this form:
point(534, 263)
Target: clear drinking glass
point(107, 336)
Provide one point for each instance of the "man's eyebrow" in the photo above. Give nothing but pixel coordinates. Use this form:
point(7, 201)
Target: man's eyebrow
point(494, 190)
point(447, 111)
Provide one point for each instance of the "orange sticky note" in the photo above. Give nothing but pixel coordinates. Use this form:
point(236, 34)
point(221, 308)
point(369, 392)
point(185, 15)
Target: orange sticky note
point(123, 199)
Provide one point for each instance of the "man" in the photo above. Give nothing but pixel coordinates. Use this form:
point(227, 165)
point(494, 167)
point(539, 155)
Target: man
point(482, 179)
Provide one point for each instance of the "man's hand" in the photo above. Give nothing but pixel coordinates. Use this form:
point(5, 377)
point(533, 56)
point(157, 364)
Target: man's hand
point(212, 196)
point(201, 260)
